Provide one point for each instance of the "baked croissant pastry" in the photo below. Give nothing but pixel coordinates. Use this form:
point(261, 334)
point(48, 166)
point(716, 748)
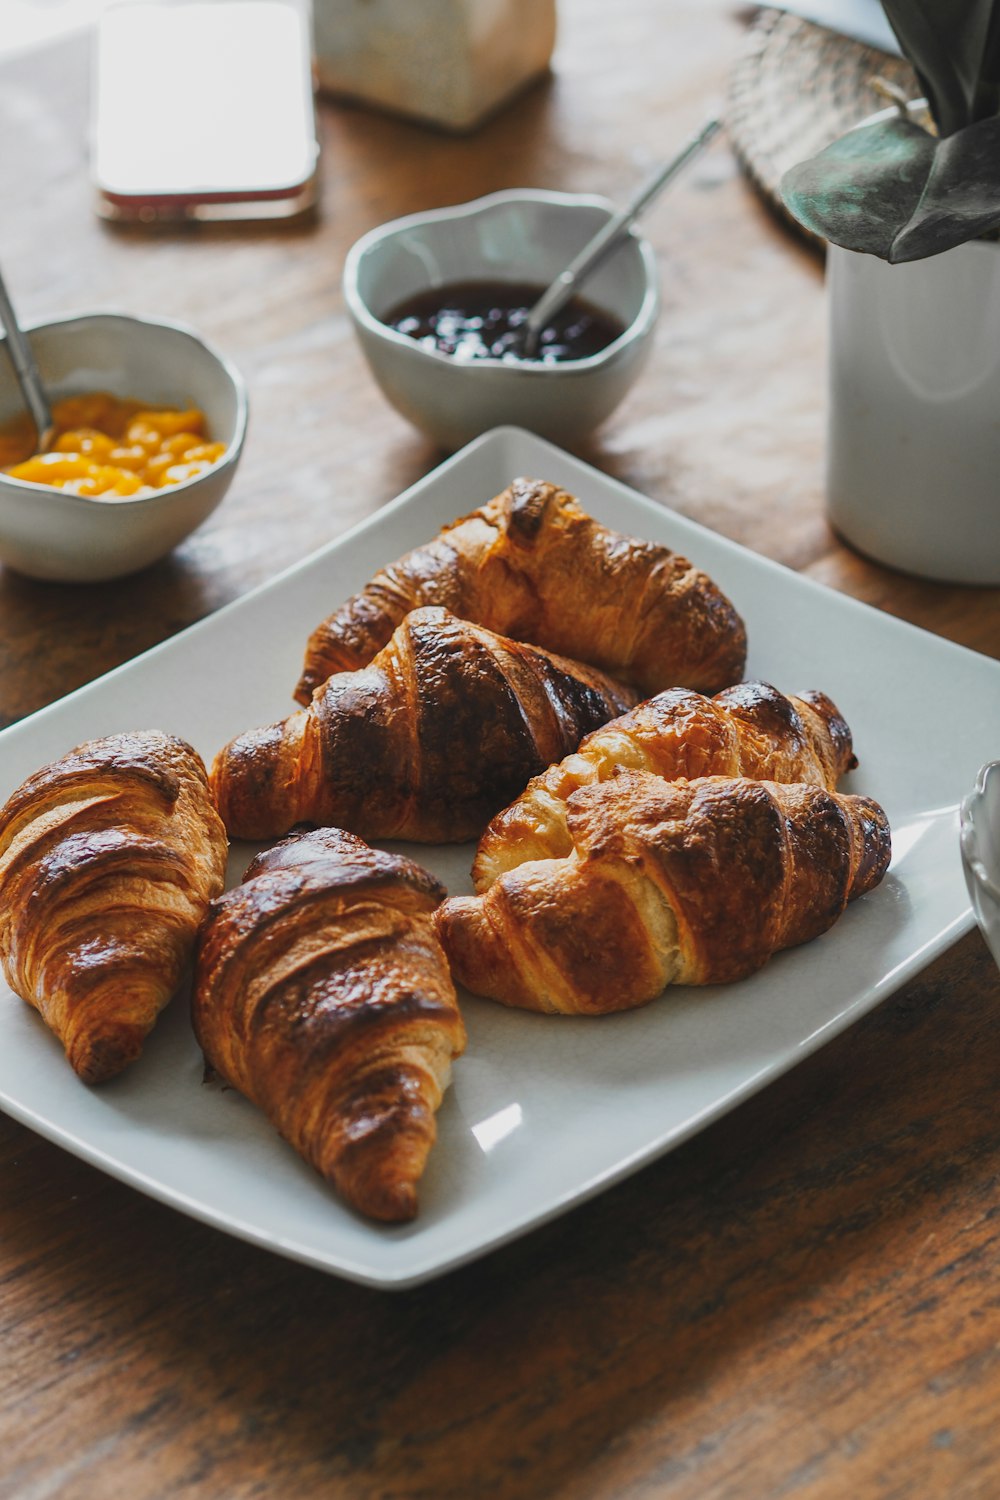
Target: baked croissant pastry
point(108, 861)
point(444, 727)
point(533, 565)
point(684, 882)
point(322, 994)
point(747, 730)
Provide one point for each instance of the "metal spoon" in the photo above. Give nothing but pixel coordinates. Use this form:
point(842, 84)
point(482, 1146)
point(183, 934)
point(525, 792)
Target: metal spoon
point(558, 294)
point(26, 371)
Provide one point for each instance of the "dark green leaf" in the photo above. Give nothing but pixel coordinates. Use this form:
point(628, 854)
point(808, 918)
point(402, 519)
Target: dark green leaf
point(862, 191)
point(952, 44)
point(961, 199)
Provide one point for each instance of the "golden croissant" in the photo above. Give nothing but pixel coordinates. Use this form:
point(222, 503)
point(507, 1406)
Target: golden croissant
point(444, 727)
point(322, 994)
point(533, 565)
point(747, 730)
point(684, 882)
point(108, 861)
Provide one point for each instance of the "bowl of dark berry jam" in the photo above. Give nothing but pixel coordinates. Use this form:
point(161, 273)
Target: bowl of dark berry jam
point(439, 302)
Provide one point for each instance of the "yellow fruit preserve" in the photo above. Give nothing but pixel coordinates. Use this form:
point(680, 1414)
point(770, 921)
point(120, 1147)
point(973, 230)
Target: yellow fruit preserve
point(107, 447)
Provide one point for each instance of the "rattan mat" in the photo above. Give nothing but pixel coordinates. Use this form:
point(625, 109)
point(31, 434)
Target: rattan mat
point(795, 88)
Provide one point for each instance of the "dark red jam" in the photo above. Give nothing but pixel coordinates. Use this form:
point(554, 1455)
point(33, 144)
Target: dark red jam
point(485, 320)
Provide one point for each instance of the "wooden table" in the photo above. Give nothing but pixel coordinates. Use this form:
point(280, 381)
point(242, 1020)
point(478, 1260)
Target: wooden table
point(801, 1301)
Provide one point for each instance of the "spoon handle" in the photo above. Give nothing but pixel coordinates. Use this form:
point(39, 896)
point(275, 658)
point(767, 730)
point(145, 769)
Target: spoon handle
point(558, 294)
point(25, 369)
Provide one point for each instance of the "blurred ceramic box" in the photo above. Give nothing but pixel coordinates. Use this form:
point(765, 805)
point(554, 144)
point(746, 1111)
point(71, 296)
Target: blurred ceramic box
point(449, 62)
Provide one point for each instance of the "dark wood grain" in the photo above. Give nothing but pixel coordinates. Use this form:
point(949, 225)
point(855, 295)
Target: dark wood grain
point(802, 1301)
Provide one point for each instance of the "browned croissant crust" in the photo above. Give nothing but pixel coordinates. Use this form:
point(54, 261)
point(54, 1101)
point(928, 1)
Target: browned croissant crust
point(533, 565)
point(684, 882)
point(444, 727)
point(747, 730)
point(322, 994)
point(108, 860)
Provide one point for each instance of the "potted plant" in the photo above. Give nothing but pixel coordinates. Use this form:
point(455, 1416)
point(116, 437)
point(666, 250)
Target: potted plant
point(910, 205)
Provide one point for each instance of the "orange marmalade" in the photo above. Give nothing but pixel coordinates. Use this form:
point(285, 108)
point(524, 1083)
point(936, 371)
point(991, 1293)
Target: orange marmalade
point(107, 447)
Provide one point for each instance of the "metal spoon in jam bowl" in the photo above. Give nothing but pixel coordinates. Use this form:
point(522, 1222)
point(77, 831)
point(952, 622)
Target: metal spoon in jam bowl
point(607, 238)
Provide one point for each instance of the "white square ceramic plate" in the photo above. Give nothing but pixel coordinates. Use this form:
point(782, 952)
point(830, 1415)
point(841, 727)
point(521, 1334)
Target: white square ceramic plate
point(543, 1111)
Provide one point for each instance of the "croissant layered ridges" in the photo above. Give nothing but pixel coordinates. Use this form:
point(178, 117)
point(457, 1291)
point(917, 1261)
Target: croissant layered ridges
point(322, 994)
point(442, 729)
point(108, 860)
point(531, 564)
point(687, 882)
point(747, 730)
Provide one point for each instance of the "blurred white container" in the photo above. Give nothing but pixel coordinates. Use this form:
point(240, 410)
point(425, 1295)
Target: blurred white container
point(449, 62)
point(913, 450)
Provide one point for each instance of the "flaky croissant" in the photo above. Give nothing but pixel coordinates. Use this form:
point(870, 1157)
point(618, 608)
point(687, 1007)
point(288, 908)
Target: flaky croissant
point(684, 882)
point(444, 727)
point(108, 860)
point(322, 994)
point(747, 730)
point(533, 565)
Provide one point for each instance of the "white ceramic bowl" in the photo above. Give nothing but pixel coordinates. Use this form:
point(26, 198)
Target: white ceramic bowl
point(523, 235)
point(51, 534)
point(980, 822)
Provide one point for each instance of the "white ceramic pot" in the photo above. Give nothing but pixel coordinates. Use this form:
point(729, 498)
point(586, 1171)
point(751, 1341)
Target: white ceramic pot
point(913, 449)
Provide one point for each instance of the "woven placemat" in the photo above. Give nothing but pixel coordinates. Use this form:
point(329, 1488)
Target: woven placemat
point(795, 88)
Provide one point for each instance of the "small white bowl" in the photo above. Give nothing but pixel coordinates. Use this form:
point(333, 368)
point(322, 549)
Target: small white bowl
point(980, 835)
point(52, 534)
point(523, 235)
